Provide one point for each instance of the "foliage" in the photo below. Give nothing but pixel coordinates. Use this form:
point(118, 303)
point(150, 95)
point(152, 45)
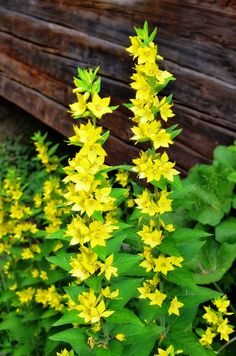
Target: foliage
point(208, 203)
point(92, 262)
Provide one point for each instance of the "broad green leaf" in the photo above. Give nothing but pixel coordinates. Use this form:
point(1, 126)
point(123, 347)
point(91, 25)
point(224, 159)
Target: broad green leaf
point(58, 235)
point(140, 339)
point(73, 335)
point(212, 261)
point(189, 249)
point(181, 235)
point(123, 316)
point(226, 231)
point(127, 290)
point(124, 261)
point(187, 342)
point(113, 244)
point(62, 260)
point(69, 318)
point(94, 282)
point(181, 276)
point(74, 292)
point(169, 247)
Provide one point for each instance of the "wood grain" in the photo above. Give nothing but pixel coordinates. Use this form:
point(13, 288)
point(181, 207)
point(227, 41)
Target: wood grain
point(43, 42)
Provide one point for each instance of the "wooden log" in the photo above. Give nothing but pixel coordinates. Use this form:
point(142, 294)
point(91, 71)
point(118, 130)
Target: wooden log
point(43, 42)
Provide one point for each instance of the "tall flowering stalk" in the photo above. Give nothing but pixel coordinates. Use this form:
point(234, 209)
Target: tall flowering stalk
point(130, 291)
point(149, 111)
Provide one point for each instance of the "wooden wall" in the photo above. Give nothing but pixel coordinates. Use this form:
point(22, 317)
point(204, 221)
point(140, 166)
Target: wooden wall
point(43, 41)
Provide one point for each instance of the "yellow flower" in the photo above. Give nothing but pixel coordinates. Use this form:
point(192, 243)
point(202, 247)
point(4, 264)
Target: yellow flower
point(27, 254)
point(161, 139)
point(41, 296)
point(165, 109)
point(135, 45)
point(91, 308)
point(163, 75)
point(151, 236)
point(149, 69)
point(222, 304)
point(145, 202)
point(108, 294)
point(207, 337)
point(142, 87)
point(144, 167)
point(122, 178)
point(64, 352)
point(144, 291)
point(157, 298)
point(25, 295)
point(99, 232)
point(166, 168)
point(210, 316)
point(86, 134)
point(120, 337)
point(99, 312)
point(147, 54)
point(163, 264)
point(225, 330)
point(107, 268)
point(141, 110)
point(145, 131)
point(175, 305)
point(78, 108)
point(166, 352)
point(35, 273)
point(43, 275)
point(148, 262)
point(99, 106)
point(85, 264)
point(164, 204)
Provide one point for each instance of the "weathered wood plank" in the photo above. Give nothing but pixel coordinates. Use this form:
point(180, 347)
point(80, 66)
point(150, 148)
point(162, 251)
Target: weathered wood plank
point(43, 42)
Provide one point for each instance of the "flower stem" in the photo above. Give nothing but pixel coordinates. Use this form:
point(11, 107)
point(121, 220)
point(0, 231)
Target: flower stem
point(227, 344)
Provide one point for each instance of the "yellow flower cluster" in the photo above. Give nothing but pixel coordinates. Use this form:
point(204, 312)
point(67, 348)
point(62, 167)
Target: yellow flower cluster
point(217, 321)
point(92, 308)
point(148, 114)
point(49, 161)
point(88, 192)
point(47, 297)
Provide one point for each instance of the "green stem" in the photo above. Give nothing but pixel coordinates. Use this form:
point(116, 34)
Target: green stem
point(162, 317)
point(227, 344)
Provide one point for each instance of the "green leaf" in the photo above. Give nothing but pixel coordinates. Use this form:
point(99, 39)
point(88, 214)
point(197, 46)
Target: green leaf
point(226, 231)
point(69, 318)
point(232, 177)
point(62, 260)
point(140, 340)
point(69, 336)
point(124, 316)
point(124, 262)
point(94, 282)
point(120, 194)
point(127, 290)
point(212, 261)
point(169, 247)
point(75, 291)
point(181, 235)
point(181, 276)
point(188, 342)
point(58, 235)
point(113, 244)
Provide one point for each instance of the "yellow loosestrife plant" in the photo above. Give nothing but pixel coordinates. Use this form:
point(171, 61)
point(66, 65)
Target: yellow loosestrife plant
point(92, 262)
